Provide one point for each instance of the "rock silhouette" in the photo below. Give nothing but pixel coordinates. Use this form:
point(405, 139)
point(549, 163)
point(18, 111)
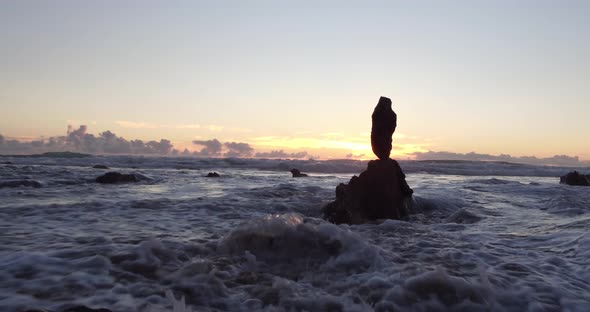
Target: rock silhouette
point(575, 178)
point(381, 191)
point(117, 177)
point(100, 167)
point(78, 308)
point(213, 175)
point(19, 183)
point(384, 121)
point(297, 174)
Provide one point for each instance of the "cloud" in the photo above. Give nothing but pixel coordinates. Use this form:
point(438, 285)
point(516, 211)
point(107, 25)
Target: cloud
point(239, 130)
point(135, 125)
point(333, 134)
point(107, 142)
point(214, 128)
point(557, 160)
point(188, 126)
point(238, 149)
point(312, 142)
point(77, 139)
point(281, 154)
point(212, 148)
point(351, 155)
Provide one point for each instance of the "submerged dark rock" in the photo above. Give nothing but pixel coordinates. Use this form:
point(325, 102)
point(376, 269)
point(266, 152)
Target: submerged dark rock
point(464, 216)
point(19, 183)
point(60, 155)
point(297, 174)
point(381, 191)
point(79, 308)
point(100, 167)
point(213, 175)
point(384, 121)
point(117, 177)
point(85, 309)
point(63, 155)
point(575, 178)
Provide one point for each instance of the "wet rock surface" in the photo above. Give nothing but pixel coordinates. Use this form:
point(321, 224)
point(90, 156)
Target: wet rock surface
point(575, 178)
point(117, 177)
point(19, 183)
point(381, 191)
point(384, 121)
point(74, 309)
point(297, 174)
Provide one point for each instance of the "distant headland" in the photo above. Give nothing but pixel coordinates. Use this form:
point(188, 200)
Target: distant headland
point(52, 155)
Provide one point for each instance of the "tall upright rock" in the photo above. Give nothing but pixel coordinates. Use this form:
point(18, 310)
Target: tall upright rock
point(381, 191)
point(384, 121)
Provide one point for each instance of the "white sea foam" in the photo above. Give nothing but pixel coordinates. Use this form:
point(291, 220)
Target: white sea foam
point(500, 238)
point(468, 168)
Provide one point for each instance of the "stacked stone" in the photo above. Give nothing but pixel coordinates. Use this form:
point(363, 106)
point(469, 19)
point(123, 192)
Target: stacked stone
point(381, 191)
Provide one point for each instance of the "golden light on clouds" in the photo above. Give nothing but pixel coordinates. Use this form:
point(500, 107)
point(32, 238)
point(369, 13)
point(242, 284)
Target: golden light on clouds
point(324, 145)
point(189, 126)
point(332, 147)
point(135, 125)
point(407, 150)
point(147, 125)
point(309, 142)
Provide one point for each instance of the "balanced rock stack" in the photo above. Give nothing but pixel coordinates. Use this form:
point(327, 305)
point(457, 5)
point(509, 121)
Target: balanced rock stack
point(381, 191)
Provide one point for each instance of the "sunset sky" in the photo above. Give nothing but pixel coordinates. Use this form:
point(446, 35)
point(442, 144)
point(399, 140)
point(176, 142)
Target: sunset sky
point(494, 77)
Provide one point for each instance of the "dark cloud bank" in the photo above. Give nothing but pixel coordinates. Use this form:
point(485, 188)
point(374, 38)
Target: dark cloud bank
point(557, 160)
point(107, 142)
point(214, 148)
point(80, 141)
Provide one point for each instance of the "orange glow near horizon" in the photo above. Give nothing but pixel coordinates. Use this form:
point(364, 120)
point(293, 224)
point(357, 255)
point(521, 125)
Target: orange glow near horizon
point(352, 148)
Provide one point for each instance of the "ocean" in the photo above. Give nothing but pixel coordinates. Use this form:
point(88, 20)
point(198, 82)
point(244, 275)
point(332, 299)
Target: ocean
point(481, 236)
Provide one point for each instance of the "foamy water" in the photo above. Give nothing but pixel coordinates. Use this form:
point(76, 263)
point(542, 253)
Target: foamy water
point(481, 236)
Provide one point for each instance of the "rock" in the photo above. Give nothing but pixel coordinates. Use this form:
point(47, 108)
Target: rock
point(213, 175)
point(6, 163)
point(336, 211)
point(575, 178)
point(19, 183)
point(100, 167)
point(384, 121)
point(463, 216)
point(79, 308)
point(117, 177)
point(380, 192)
point(297, 174)
point(61, 155)
point(85, 309)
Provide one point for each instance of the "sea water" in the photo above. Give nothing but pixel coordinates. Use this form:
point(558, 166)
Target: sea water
point(480, 237)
